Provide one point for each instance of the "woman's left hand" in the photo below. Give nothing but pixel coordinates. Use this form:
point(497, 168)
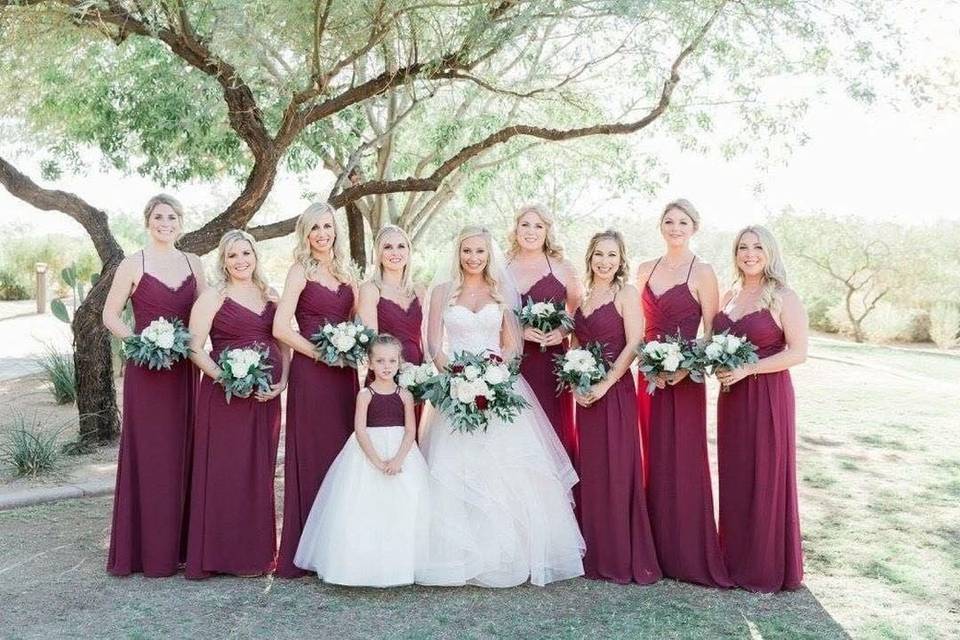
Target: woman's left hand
point(729, 377)
point(677, 376)
point(552, 338)
point(596, 392)
point(275, 390)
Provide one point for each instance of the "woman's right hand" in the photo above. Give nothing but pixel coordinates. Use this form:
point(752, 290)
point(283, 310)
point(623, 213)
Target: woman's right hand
point(533, 335)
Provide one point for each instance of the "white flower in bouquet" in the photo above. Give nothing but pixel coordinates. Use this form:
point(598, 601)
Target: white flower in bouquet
point(714, 350)
point(671, 362)
point(165, 340)
point(328, 329)
point(471, 372)
point(543, 308)
point(719, 338)
point(343, 341)
point(652, 348)
point(424, 372)
point(496, 374)
point(407, 377)
point(578, 369)
point(240, 361)
point(733, 343)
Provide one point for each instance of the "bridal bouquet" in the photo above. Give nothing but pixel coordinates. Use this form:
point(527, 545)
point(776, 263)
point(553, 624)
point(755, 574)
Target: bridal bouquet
point(579, 369)
point(161, 343)
point(474, 388)
point(668, 355)
point(415, 378)
point(725, 351)
point(243, 371)
point(345, 342)
point(544, 316)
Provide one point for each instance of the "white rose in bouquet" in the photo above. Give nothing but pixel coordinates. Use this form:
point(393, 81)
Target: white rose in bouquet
point(408, 377)
point(671, 362)
point(328, 329)
point(733, 343)
point(343, 342)
point(165, 340)
point(652, 348)
point(718, 339)
point(496, 374)
point(471, 372)
point(713, 350)
point(424, 373)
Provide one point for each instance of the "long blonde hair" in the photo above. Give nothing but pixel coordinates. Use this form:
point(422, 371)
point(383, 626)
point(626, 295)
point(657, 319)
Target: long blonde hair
point(302, 253)
point(620, 277)
point(551, 245)
point(489, 269)
point(774, 271)
point(228, 240)
point(406, 279)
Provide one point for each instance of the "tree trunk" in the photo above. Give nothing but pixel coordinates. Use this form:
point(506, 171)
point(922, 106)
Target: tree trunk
point(96, 393)
point(355, 227)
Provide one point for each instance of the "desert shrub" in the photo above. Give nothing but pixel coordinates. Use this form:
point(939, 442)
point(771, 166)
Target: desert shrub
point(12, 286)
point(945, 324)
point(30, 448)
point(61, 376)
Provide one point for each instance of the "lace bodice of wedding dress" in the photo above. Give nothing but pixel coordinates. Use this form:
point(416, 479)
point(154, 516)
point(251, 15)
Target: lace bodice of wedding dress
point(473, 331)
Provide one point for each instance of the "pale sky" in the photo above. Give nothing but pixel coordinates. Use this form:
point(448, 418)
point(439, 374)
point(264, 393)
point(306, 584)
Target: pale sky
point(877, 162)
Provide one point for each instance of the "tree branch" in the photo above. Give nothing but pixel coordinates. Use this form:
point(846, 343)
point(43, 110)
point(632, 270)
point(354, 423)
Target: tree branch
point(94, 221)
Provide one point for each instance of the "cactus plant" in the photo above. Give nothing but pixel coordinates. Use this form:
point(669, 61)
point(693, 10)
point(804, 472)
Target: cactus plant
point(72, 280)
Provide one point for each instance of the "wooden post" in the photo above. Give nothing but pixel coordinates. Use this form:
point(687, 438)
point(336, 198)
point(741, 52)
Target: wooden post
point(41, 268)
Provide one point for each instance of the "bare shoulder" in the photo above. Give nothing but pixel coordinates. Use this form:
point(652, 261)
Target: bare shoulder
point(703, 270)
point(420, 291)
point(627, 292)
point(790, 300)
point(644, 269)
point(130, 265)
point(726, 298)
point(296, 271)
point(406, 396)
point(566, 269)
point(209, 300)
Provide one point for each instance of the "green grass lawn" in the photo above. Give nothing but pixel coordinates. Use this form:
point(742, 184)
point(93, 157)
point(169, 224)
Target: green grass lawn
point(879, 462)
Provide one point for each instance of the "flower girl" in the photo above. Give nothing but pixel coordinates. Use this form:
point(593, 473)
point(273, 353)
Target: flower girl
point(368, 525)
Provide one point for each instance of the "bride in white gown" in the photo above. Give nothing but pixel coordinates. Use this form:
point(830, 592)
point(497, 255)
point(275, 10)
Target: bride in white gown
point(502, 506)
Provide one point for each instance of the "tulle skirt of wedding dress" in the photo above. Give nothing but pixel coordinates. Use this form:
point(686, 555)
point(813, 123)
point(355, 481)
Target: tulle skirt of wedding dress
point(501, 503)
point(367, 528)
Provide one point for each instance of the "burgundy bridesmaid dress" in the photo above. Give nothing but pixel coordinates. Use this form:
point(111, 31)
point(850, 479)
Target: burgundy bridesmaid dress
point(756, 451)
point(320, 407)
point(674, 426)
point(537, 366)
point(232, 519)
point(403, 324)
point(613, 509)
point(153, 469)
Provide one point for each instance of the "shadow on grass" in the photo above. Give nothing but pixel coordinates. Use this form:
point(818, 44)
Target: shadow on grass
point(53, 584)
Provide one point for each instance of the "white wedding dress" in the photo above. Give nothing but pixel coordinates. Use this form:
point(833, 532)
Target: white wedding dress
point(501, 500)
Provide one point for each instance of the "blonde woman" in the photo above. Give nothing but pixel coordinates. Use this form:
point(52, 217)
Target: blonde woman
point(502, 511)
point(543, 274)
point(756, 449)
point(612, 508)
point(389, 302)
point(149, 508)
point(678, 293)
point(232, 521)
point(320, 403)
